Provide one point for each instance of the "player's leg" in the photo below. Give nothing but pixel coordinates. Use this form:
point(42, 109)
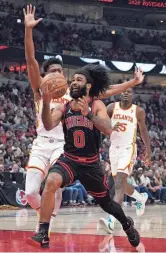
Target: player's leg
point(36, 171)
point(34, 178)
point(95, 183)
point(58, 201)
point(141, 198)
point(60, 174)
point(108, 223)
point(121, 166)
point(58, 150)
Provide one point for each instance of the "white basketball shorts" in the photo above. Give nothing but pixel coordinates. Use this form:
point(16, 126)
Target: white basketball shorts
point(45, 151)
point(122, 158)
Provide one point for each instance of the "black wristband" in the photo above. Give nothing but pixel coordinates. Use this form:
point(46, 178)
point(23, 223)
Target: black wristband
point(89, 115)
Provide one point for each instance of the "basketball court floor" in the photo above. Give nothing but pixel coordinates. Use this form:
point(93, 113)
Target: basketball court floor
point(77, 230)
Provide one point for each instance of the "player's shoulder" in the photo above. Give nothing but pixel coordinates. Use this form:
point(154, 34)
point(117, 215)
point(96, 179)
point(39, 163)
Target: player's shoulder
point(140, 112)
point(140, 109)
point(111, 106)
point(97, 103)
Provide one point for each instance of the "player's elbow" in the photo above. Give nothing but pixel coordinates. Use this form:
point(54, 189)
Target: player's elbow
point(50, 125)
point(107, 132)
point(47, 125)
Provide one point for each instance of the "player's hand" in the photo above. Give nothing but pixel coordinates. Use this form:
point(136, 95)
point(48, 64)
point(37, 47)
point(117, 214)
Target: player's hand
point(138, 76)
point(83, 105)
point(29, 17)
point(147, 158)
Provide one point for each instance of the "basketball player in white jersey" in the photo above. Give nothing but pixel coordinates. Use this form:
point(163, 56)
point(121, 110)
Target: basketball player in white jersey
point(125, 116)
point(48, 145)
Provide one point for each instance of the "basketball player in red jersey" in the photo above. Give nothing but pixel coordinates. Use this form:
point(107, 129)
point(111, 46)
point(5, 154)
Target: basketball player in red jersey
point(40, 160)
point(84, 118)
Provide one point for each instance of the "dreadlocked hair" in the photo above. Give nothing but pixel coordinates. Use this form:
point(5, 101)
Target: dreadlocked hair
point(51, 61)
point(98, 76)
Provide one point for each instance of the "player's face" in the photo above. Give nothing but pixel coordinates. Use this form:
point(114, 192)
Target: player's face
point(55, 68)
point(78, 87)
point(127, 96)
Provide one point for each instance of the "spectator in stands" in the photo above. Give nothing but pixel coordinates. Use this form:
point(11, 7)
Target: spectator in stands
point(2, 168)
point(82, 193)
point(144, 184)
point(80, 39)
point(70, 196)
point(16, 168)
point(158, 191)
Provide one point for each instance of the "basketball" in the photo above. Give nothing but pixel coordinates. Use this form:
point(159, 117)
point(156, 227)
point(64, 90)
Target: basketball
point(55, 85)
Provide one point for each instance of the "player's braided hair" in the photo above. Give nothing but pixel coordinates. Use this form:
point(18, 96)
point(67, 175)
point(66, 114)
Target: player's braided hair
point(98, 76)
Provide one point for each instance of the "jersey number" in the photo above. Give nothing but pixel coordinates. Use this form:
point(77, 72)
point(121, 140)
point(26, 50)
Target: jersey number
point(79, 139)
point(122, 128)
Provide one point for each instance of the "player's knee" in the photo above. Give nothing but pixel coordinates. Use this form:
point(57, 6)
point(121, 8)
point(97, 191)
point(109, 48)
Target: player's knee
point(53, 182)
point(118, 185)
point(120, 182)
point(31, 193)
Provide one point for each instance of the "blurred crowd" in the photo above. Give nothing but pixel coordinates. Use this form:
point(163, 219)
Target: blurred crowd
point(69, 37)
point(17, 128)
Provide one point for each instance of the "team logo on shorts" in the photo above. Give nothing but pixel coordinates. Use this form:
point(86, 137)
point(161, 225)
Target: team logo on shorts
point(21, 197)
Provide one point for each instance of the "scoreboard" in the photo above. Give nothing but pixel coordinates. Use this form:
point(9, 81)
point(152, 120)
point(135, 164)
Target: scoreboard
point(137, 3)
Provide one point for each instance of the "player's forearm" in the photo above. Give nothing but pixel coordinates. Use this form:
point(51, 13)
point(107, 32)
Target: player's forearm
point(29, 45)
point(102, 125)
point(32, 64)
point(118, 88)
point(47, 117)
point(145, 137)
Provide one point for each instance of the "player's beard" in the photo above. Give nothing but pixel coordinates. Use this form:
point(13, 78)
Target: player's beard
point(79, 93)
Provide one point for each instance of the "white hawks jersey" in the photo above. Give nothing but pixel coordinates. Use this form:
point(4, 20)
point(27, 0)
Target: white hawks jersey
point(57, 132)
point(128, 130)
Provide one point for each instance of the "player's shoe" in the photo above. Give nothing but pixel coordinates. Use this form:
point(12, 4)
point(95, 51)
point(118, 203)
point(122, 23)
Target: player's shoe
point(40, 239)
point(38, 224)
point(140, 206)
point(132, 234)
point(107, 224)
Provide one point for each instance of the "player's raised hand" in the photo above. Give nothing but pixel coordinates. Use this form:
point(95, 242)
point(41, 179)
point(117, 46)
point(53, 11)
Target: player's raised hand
point(83, 105)
point(29, 17)
point(138, 76)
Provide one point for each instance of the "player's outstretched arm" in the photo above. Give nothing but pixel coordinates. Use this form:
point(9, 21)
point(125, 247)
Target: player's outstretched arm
point(32, 64)
point(99, 116)
point(144, 133)
point(51, 118)
point(119, 88)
